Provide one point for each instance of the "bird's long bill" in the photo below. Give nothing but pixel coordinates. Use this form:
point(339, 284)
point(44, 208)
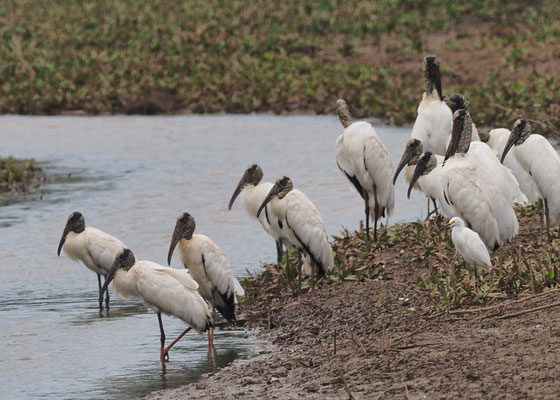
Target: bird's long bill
point(63, 238)
point(407, 155)
point(420, 167)
point(510, 143)
point(455, 137)
point(237, 191)
point(273, 192)
point(444, 227)
point(108, 278)
point(174, 240)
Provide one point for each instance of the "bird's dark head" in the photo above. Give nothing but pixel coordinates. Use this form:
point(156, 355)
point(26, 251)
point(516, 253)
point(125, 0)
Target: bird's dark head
point(461, 133)
point(123, 260)
point(520, 132)
point(75, 223)
point(343, 113)
point(252, 176)
point(184, 229)
point(281, 188)
point(456, 102)
point(412, 152)
point(432, 75)
point(425, 165)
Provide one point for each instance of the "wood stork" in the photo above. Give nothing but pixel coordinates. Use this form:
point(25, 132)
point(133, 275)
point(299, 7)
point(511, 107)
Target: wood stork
point(502, 187)
point(457, 102)
point(430, 182)
point(305, 228)
point(252, 194)
point(496, 139)
point(162, 289)
point(468, 244)
point(208, 265)
point(360, 154)
point(434, 121)
point(95, 248)
point(537, 156)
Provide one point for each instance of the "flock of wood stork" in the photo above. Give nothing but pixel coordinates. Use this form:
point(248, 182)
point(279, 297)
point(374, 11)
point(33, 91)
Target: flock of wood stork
point(475, 179)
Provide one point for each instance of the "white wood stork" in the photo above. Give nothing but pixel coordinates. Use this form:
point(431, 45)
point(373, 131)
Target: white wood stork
point(457, 102)
point(468, 244)
point(434, 121)
point(502, 187)
point(95, 248)
point(208, 265)
point(429, 184)
point(304, 225)
point(537, 156)
point(162, 289)
point(496, 139)
point(365, 161)
point(252, 193)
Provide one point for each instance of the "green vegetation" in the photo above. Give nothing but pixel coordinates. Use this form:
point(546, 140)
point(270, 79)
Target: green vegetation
point(19, 176)
point(152, 56)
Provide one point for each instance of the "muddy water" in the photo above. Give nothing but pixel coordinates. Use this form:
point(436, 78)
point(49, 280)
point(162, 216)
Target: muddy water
point(132, 176)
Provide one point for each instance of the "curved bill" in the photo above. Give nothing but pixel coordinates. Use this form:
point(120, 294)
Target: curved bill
point(455, 137)
point(108, 278)
point(273, 192)
point(174, 240)
point(63, 238)
point(420, 167)
point(407, 155)
point(237, 191)
point(510, 143)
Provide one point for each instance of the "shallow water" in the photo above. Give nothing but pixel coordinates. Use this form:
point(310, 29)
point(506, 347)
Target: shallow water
point(131, 177)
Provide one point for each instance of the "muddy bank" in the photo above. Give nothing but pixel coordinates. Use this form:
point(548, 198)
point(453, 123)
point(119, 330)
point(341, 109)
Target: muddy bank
point(390, 337)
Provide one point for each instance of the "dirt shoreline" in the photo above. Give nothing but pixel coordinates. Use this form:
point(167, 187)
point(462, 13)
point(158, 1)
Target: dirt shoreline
point(392, 343)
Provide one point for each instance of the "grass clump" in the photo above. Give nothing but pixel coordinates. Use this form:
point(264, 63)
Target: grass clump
point(19, 175)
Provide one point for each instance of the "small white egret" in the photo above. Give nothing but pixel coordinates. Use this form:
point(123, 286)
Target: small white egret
point(365, 161)
point(95, 248)
point(208, 265)
point(468, 244)
point(252, 193)
point(537, 156)
point(304, 225)
point(434, 121)
point(162, 289)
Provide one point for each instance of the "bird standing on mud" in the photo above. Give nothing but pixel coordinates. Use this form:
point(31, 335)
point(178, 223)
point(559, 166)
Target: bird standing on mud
point(435, 120)
point(95, 248)
point(162, 289)
point(468, 244)
point(535, 153)
point(304, 226)
point(252, 194)
point(208, 265)
point(365, 161)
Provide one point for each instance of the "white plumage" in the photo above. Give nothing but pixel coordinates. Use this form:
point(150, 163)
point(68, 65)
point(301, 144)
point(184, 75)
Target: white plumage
point(365, 161)
point(469, 244)
point(95, 248)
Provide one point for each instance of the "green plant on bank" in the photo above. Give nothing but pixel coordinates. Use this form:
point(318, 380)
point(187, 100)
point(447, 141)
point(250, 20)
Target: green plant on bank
point(148, 56)
point(19, 176)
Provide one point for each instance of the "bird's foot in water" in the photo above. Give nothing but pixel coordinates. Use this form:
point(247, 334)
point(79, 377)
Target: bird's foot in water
point(164, 355)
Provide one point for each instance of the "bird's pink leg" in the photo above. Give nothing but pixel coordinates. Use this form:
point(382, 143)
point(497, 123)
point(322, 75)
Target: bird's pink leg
point(166, 350)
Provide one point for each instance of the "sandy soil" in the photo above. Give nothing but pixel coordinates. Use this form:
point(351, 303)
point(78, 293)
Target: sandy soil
point(376, 340)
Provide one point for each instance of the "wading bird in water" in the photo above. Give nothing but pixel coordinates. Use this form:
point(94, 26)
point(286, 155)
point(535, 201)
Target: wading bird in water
point(304, 226)
point(535, 153)
point(367, 165)
point(252, 193)
point(163, 290)
point(209, 267)
point(95, 248)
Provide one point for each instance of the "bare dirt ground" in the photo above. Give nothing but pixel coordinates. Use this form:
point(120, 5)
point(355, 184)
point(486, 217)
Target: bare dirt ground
point(382, 339)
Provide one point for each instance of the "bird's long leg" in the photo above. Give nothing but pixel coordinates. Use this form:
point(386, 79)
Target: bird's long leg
point(162, 354)
point(211, 330)
point(367, 218)
point(107, 295)
point(547, 215)
point(428, 215)
point(300, 262)
point(166, 350)
point(541, 215)
point(376, 212)
point(279, 251)
point(435, 206)
point(313, 281)
point(99, 285)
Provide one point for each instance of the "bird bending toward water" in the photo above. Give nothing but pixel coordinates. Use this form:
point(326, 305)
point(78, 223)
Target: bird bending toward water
point(163, 290)
point(95, 248)
point(365, 161)
point(208, 265)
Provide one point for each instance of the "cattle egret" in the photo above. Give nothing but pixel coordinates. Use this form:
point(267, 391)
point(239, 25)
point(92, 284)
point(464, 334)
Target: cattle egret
point(468, 244)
